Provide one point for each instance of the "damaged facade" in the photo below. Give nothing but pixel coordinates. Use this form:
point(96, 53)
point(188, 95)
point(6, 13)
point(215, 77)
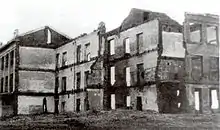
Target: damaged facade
point(150, 62)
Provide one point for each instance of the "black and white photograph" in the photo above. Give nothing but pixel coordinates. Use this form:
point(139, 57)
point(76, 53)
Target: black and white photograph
point(109, 65)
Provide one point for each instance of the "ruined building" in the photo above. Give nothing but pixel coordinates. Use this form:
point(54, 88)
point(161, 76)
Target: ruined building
point(150, 62)
point(201, 42)
point(145, 62)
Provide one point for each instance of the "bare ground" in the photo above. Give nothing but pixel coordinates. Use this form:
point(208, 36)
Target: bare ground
point(119, 119)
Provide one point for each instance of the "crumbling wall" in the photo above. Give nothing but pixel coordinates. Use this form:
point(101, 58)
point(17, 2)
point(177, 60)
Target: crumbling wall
point(148, 95)
point(36, 81)
point(95, 97)
point(34, 104)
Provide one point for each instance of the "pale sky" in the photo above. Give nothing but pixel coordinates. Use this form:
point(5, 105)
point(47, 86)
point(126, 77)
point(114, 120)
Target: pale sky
point(83, 16)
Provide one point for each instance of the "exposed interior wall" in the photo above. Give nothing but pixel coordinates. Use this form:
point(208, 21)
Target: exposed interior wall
point(40, 58)
point(148, 96)
point(36, 81)
point(173, 44)
point(34, 104)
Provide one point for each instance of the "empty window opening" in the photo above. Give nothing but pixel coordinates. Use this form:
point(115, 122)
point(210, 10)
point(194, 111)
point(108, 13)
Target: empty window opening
point(212, 34)
point(140, 72)
point(57, 59)
point(140, 42)
point(197, 67)
point(177, 92)
point(139, 103)
point(214, 99)
point(112, 47)
point(78, 53)
point(64, 59)
point(48, 36)
point(197, 100)
point(3, 63)
point(78, 80)
point(112, 73)
point(196, 33)
point(146, 16)
point(63, 106)
point(128, 101)
point(128, 76)
point(127, 45)
point(11, 83)
point(179, 104)
point(2, 85)
point(12, 58)
point(6, 61)
point(86, 78)
point(113, 101)
point(214, 69)
point(63, 84)
point(6, 84)
point(77, 105)
point(87, 52)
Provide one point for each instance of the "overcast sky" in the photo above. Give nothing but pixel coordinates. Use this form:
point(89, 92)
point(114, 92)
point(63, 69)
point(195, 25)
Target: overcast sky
point(74, 17)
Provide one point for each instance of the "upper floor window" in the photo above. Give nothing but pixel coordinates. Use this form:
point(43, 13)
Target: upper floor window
point(6, 60)
point(197, 67)
point(112, 47)
point(57, 59)
point(78, 53)
point(11, 83)
point(86, 78)
point(195, 33)
point(140, 72)
point(212, 34)
point(87, 52)
point(63, 84)
point(140, 42)
point(6, 84)
point(64, 59)
point(3, 63)
point(214, 68)
point(78, 80)
point(48, 36)
point(128, 76)
point(12, 58)
point(112, 73)
point(127, 45)
point(2, 85)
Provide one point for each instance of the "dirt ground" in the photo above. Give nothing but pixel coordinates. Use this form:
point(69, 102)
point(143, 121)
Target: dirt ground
point(111, 120)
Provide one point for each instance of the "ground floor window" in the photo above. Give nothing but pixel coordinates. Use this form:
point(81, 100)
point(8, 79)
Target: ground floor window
point(214, 98)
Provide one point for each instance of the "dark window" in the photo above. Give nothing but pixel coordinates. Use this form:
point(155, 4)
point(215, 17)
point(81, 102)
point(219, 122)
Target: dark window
point(140, 72)
point(197, 66)
point(11, 83)
point(214, 69)
point(146, 16)
point(140, 42)
point(6, 84)
point(57, 84)
point(3, 63)
point(57, 59)
point(87, 53)
point(78, 80)
point(77, 105)
point(78, 53)
point(2, 84)
point(63, 84)
point(6, 61)
point(12, 58)
point(64, 59)
point(86, 78)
